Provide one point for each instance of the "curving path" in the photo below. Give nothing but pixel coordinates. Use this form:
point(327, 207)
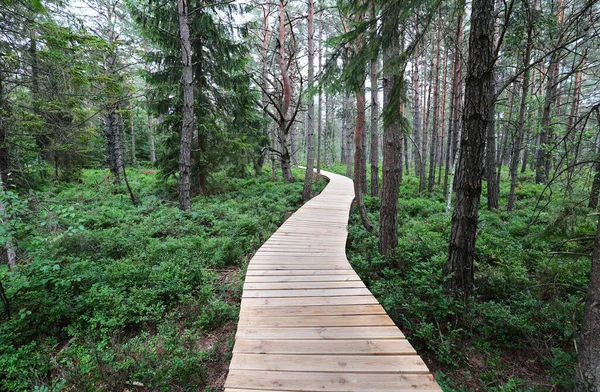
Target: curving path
point(307, 321)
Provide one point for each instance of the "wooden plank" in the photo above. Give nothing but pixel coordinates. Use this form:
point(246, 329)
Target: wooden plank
point(288, 272)
point(308, 267)
point(304, 293)
point(315, 321)
point(313, 301)
point(302, 278)
point(311, 310)
point(367, 333)
point(330, 363)
point(340, 347)
point(330, 382)
point(303, 285)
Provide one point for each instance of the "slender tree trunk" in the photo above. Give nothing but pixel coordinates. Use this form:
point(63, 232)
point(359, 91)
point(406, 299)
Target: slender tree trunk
point(187, 81)
point(493, 186)
point(443, 153)
point(349, 139)
point(450, 141)
point(459, 268)
point(594, 193)
point(455, 103)
point(11, 255)
point(425, 129)
point(573, 115)
point(320, 110)
point(543, 161)
point(360, 156)
point(151, 140)
point(436, 110)
point(112, 132)
point(4, 157)
point(284, 121)
point(458, 62)
point(327, 130)
point(502, 154)
point(388, 212)
point(345, 116)
point(518, 137)
point(310, 118)
point(131, 124)
point(374, 119)
point(416, 113)
point(587, 376)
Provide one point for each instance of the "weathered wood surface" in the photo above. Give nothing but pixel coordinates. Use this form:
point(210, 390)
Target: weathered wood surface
point(307, 321)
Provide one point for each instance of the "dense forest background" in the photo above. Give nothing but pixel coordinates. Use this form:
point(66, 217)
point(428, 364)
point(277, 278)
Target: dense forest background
point(147, 149)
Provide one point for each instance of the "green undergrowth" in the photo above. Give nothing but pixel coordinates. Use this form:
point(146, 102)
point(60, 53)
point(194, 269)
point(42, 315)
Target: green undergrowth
point(517, 332)
point(108, 296)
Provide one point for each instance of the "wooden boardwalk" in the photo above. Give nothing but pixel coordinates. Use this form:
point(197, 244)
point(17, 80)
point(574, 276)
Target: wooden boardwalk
point(307, 321)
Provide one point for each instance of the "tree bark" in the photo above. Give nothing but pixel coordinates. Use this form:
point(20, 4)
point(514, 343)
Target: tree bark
point(310, 116)
point(518, 137)
point(543, 161)
point(320, 110)
point(4, 157)
point(284, 121)
point(459, 267)
point(587, 376)
point(416, 113)
point(388, 212)
point(493, 186)
point(187, 82)
point(132, 127)
point(112, 131)
point(436, 109)
point(374, 118)
point(442, 153)
point(425, 129)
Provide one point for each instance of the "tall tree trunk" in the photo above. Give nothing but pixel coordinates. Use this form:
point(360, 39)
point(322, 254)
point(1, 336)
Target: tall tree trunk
point(112, 131)
point(284, 121)
point(493, 186)
point(349, 138)
point(11, 256)
point(374, 118)
point(4, 157)
point(442, 156)
point(518, 137)
point(543, 161)
point(388, 212)
point(187, 81)
point(450, 141)
point(455, 101)
point(151, 140)
point(320, 110)
point(505, 133)
point(573, 115)
point(587, 376)
point(310, 117)
point(360, 157)
point(416, 113)
point(327, 130)
point(425, 129)
point(345, 119)
point(595, 191)
point(131, 124)
point(459, 267)
point(436, 109)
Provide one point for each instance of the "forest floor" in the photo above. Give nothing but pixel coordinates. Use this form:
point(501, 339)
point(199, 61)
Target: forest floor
point(532, 268)
point(113, 297)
